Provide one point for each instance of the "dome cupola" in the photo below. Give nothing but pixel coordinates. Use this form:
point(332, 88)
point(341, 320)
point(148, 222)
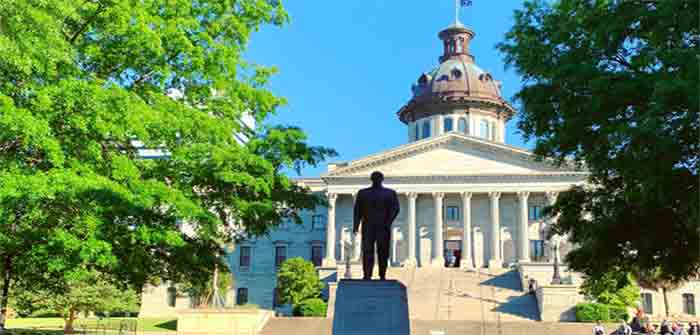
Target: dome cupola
point(456, 95)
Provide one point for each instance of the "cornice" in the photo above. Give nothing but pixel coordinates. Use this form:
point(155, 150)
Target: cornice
point(509, 153)
point(464, 179)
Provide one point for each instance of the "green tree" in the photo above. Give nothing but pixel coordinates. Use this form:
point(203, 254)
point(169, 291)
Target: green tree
point(614, 288)
point(297, 281)
point(612, 86)
point(87, 292)
point(83, 84)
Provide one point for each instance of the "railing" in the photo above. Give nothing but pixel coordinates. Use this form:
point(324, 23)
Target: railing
point(107, 326)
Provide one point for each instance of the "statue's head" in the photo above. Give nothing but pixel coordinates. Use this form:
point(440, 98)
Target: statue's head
point(377, 178)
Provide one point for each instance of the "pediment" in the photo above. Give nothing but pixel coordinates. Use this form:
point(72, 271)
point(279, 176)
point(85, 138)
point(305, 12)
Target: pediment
point(451, 154)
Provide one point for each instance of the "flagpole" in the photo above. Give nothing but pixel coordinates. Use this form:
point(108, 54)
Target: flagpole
point(457, 12)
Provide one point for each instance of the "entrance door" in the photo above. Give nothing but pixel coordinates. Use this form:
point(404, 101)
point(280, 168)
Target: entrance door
point(453, 253)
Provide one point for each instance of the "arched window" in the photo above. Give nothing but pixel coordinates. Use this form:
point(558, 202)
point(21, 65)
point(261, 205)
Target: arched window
point(172, 296)
point(426, 129)
point(460, 45)
point(416, 131)
point(688, 304)
point(484, 129)
point(448, 124)
point(647, 305)
point(462, 126)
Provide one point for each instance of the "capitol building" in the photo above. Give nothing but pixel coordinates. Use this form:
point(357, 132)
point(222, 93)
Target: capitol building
point(471, 208)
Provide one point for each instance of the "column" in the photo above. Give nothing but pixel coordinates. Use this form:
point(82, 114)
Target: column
point(438, 256)
point(440, 125)
point(394, 247)
point(411, 261)
point(329, 261)
point(495, 261)
point(357, 243)
point(466, 261)
point(524, 236)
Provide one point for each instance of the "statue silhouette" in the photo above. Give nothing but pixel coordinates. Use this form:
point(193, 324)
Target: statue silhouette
point(376, 208)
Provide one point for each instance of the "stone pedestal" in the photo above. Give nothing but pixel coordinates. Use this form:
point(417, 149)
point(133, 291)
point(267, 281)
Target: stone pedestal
point(371, 307)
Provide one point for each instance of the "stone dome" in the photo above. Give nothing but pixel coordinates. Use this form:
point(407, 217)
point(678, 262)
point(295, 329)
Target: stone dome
point(457, 82)
point(459, 78)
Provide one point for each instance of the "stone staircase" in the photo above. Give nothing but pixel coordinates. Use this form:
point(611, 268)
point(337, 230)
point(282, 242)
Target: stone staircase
point(453, 294)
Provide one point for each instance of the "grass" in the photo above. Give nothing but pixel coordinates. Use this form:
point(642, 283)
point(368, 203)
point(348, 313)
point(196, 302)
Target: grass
point(142, 324)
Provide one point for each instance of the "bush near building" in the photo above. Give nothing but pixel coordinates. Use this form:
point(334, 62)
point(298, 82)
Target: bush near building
point(297, 282)
point(314, 307)
point(592, 312)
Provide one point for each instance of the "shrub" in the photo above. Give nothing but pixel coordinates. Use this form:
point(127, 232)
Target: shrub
point(618, 313)
point(313, 307)
point(592, 312)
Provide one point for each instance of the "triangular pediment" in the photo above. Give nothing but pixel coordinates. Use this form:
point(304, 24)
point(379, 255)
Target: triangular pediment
point(451, 154)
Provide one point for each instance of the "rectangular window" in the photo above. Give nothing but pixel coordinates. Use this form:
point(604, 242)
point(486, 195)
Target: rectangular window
point(452, 213)
point(537, 250)
point(245, 257)
point(280, 255)
point(689, 304)
point(535, 213)
point(316, 254)
point(484, 130)
point(647, 303)
point(242, 296)
point(317, 222)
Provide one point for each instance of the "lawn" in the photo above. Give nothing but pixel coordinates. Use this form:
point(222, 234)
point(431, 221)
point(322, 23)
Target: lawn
point(142, 324)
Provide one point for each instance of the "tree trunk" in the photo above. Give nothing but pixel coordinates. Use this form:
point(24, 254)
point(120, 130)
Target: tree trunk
point(68, 327)
point(663, 290)
point(7, 274)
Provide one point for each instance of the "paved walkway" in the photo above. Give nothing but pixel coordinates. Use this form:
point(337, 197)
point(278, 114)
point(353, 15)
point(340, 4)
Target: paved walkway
point(319, 326)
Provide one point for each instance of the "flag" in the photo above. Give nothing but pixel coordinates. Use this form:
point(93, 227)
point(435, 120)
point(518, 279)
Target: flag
point(466, 3)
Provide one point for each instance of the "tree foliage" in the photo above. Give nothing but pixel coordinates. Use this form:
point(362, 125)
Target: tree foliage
point(85, 84)
point(297, 281)
point(612, 86)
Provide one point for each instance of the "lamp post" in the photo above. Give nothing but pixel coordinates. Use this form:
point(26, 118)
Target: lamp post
point(556, 278)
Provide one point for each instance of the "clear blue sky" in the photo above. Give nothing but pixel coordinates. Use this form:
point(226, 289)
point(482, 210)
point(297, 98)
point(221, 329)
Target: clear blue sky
point(346, 67)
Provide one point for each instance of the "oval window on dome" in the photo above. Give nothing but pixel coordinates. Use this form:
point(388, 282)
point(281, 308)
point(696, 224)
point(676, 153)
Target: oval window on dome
point(447, 124)
point(423, 79)
point(456, 73)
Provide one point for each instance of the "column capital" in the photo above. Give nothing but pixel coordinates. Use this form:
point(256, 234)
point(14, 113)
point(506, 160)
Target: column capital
point(466, 195)
point(354, 194)
point(495, 195)
point(551, 196)
point(331, 196)
point(438, 195)
point(523, 194)
point(412, 195)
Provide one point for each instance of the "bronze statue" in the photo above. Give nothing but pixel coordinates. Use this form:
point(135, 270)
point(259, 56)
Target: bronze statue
point(376, 208)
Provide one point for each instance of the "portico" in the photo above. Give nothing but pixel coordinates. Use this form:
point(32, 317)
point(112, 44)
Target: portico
point(490, 216)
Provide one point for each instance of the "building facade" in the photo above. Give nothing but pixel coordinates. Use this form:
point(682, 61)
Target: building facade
point(467, 198)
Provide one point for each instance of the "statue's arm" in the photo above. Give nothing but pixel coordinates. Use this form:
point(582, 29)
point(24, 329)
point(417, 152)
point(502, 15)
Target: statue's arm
point(395, 207)
point(357, 215)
